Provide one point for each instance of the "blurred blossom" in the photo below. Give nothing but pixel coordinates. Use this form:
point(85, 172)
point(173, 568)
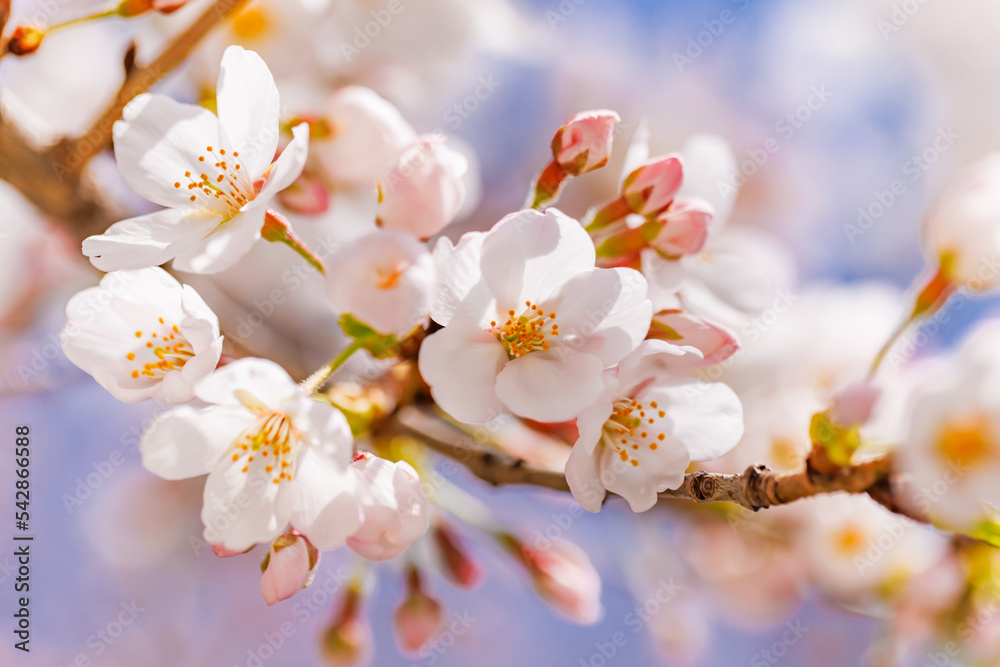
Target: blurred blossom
point(424, 190)
point(394, 507)
point(384, 279)
point(563, 576)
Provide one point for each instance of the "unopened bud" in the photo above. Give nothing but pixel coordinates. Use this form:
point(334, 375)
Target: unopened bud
point(418, 617)
point(288, 567)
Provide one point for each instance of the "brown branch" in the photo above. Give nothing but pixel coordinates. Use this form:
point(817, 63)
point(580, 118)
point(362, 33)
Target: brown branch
point(491, 465)
point(52, 179)
point(77, 152)
point(758, 487)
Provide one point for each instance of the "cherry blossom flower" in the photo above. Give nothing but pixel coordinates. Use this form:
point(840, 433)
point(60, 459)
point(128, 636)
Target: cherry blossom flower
point(424, 190)
point(142, 335)
point(213, 173)
point(384, 279)
point(288, 567)
point(685, 227)
point(272, 456)
point(853, 545)
point(393, 504)
point(962, 229)
point(952, 453)
point(649, 425)
point(367, 134)
point(530, 324)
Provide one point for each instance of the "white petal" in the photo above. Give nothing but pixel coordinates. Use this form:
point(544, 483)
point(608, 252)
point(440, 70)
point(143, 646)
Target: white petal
point(190, 440)
point(289, 164)
point(461, 287)
point(460, 363)
point(529, 256)
point(551, 386)
point(590, 424)
point(584, 480)
point(244, 508)
point(639, 485)
point(158, 141)
point(325, 427)
point(611, 316)
point(706, 417)
point(326, 510)
point(263, 379)
point(248, 107)
point(148, 240)
point(655, 359)
point(227, 244)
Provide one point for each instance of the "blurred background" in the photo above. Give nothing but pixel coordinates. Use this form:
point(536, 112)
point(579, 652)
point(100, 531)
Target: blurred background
point(855, 94)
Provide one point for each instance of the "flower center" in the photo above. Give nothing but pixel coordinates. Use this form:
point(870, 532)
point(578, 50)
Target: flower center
point(526, 332)
point(633, 428)
point(848, 540)
point(967, 441)
point(163, 344)
point(388, 277)
point(221, 187)
point(270, 443)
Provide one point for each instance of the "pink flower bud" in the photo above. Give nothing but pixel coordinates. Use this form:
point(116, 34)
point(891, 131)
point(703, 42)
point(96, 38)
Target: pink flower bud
point(584, 142)
point(418, 617)
point(563, 576)
point(456, 561)
point(962, 230)
point(288, 567)
point(649, 189)
point(715, 342)
point(853, 405)
point(424, 191)
point(685, 227)
point(347, 641)
point(394, 508)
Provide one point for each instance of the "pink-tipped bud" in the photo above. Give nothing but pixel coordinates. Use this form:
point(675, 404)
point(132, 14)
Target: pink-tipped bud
point(418, 617)
point(348, 640)
point(456, 561)
point(563, 576)
point(25, 40)
point(288, 567)
point(649, 189)
point(584, 142)
point(853, 405)
point(685, 227)
point(715, 342)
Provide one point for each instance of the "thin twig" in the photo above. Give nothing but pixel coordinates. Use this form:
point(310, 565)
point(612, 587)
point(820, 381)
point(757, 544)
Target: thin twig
point(80, 150)
point(756, 488)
